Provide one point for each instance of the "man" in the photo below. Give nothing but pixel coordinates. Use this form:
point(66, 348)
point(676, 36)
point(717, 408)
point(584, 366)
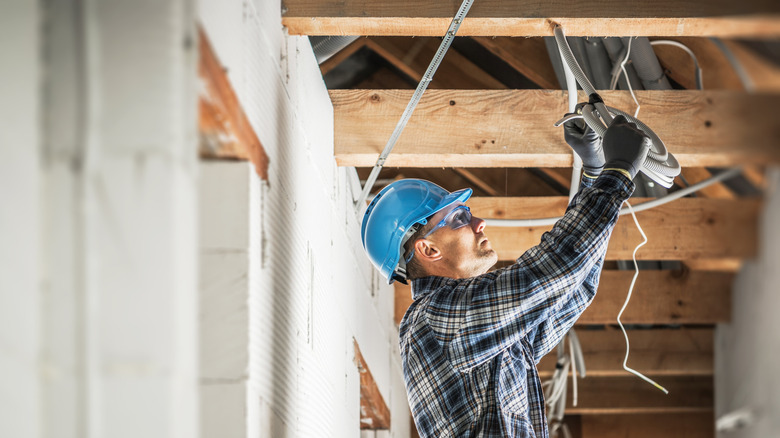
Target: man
point(471, 339)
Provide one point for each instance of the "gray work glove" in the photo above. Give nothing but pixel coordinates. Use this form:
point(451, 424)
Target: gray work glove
point(625, 146)
point(586, 143)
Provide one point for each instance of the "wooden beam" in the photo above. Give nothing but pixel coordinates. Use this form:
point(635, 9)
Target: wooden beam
point(630, 395)
point(756, 18)
point(688, 425)
point(717, 72)
point(412, 56)
point(660, 297)
point(342, 55)
point(687, 228)
point(723, 265)
point(526, 55)
point(477, 181)
point(374, 413)
point(225, 130)
point(514, 128)
point(666, 352)
point(694, 175)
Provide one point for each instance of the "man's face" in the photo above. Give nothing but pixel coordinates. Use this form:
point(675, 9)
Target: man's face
point(466, 250)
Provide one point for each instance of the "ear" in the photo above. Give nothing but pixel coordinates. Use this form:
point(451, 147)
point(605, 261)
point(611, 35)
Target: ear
point(427, 251)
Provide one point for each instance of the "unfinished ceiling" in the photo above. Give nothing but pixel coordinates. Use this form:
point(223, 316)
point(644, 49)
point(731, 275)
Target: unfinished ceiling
point(486, 123)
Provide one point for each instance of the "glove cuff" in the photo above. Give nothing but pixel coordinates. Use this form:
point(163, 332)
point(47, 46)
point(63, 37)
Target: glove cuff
point(624, 166)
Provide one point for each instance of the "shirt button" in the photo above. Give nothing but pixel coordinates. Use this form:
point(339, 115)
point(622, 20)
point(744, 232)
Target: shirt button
point(604, 219)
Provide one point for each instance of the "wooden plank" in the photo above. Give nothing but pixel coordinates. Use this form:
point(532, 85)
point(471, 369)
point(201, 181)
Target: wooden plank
point(224, 128)
point(630, 395)
point(717, 73)
point(694, 175)
point(526, 55)
point(660, 297)
point(374, 413)
point(688, 228)
point(514, 128)
point(724, 265)
point(342, 55)
point(756, 18)
point(687, 425)
point(412, 56)
point(661, 352)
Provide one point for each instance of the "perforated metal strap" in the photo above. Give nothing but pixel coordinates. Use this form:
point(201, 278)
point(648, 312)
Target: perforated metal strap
point(426, 79)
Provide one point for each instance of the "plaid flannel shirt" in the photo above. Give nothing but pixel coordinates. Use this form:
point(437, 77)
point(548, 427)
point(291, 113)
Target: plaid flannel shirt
point(469, 347)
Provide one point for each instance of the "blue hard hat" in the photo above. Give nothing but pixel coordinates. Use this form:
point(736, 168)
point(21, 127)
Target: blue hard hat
point(390, 218)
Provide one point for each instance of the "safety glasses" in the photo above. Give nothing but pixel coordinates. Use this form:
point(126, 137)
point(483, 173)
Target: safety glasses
point(459, 217)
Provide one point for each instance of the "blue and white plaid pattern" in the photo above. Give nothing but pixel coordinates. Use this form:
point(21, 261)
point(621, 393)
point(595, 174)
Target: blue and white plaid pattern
point(469, 347)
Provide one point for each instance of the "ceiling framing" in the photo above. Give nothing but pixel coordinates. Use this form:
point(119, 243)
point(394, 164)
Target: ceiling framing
point(486, 123)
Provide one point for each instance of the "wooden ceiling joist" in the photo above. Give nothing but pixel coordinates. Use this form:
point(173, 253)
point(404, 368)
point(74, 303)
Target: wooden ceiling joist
point(688, 425)
point(680, 352)
point(514, 128)
point(687, 228)
point(753, 18)
point(631, 395)
point(660, 297)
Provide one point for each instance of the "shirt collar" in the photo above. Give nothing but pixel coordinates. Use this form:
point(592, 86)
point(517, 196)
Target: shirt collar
point(422, 287)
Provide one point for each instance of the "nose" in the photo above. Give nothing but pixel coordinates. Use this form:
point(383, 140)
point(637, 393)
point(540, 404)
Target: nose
point(478, 224)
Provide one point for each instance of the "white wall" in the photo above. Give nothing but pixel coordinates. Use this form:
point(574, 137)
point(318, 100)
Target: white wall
point(311, 289)
point(98, 266)
point(747, 351)
point(19, 219)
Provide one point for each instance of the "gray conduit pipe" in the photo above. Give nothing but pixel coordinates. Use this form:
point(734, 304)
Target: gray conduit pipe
point(599, 62)
point(617, 51)
point(659, 164)
point(647, 66)
point(326, 46)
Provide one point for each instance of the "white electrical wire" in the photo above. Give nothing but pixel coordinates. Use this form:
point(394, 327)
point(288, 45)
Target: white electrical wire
point(630, 88)
point(699, 78)
point(625, 304)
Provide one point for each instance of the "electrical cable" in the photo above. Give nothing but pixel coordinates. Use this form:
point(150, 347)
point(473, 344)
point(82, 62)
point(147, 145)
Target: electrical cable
point(699, 78)
point(660, 165)
point(625, 304)
point(628, 81)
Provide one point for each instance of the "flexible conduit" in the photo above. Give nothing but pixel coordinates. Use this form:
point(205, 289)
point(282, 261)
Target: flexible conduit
point(659, 165)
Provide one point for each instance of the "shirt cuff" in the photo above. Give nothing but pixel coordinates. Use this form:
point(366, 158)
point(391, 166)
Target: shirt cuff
point(617, 182)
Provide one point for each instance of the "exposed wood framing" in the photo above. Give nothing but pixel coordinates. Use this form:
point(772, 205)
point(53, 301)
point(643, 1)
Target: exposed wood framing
point(723, 265)
point(660, 297)
point(717, 72)
point(659, 352)
point(412, 56)
point(685, 229)
point(697, 174)
point(374, 413)
point(690, 425)
point(342, 55)
point(514, 128)
point(526, 55)
point(756, 18)
point(225, 131)
point(630, 395)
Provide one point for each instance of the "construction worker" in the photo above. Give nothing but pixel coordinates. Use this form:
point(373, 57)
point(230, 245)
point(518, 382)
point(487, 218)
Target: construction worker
point(471, 339)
